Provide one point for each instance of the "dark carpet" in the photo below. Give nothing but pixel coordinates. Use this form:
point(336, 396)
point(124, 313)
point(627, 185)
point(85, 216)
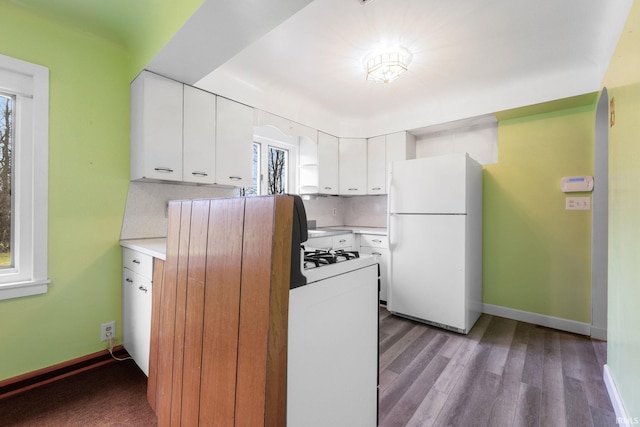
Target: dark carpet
point(110, 395)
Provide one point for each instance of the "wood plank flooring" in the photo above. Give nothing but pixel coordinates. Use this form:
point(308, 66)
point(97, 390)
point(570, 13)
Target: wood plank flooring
point(503, 373)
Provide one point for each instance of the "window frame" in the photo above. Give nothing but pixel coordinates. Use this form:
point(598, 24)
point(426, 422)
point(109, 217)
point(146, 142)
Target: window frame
point(292, 163)
point(29, 83)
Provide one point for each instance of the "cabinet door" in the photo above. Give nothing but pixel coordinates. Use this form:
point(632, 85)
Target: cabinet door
point(156, 128)
point(234, 143)
point(199, 136)
point(377, 165)
point(328, 159)
point(382, 256)
point(353, 166)
point(136, 317)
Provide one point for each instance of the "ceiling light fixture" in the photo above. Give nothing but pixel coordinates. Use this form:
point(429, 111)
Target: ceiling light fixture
point(386, 66)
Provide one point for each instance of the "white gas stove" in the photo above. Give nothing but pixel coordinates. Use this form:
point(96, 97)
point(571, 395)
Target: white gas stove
point(320, 264)
point(332, 360)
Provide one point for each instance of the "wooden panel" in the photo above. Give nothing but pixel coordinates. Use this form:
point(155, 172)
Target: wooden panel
point(195, 294)
point(221, 311)
point(261, 383)
point(276, 392)
point(254, 311)
point(222, 337)
point(180, 313)
point(156, 301)
point(167, 318)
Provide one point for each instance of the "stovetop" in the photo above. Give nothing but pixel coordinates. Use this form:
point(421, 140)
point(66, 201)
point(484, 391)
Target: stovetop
point(322, 264)
point(321, 257)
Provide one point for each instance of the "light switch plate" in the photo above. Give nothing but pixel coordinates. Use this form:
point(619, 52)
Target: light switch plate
point(578, 203)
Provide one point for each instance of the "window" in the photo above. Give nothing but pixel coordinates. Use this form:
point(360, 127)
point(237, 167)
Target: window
point(6, 190)
point(24, 128)
point(278, 163)
point(273, 162)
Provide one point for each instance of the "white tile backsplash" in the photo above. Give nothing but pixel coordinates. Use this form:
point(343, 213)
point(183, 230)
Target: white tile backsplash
point(321, 210)
point(145, 215)
point(358, 211)
point(366, 211)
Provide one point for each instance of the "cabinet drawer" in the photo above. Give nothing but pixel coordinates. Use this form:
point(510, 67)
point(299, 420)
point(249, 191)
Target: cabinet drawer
point(319, 243)
point(138, 262)
point(374, 241)
point(343, 241)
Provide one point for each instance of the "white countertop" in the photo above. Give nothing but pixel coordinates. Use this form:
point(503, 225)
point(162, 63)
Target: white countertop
point(156, 247)
point(355, 229)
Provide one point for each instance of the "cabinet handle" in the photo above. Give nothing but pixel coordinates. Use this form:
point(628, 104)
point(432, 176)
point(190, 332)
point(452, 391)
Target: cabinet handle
point(163, 169)
point(342, 240)
point(376, 189)
point(353, 189)
point(129, 280)
point(328, 188)
point(142, 288)
point(135, 261)
point(235, 178)
point(199, 174)
point(377, 240)
point(376, 253)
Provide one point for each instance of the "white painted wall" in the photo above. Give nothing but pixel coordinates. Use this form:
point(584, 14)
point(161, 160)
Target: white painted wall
point(478, 137)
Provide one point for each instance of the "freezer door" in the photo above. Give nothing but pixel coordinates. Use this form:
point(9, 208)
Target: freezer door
point(429, 185)
point(428, 268)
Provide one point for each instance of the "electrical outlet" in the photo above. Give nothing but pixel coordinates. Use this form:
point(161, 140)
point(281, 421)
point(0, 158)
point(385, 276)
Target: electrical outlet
point(108, 330)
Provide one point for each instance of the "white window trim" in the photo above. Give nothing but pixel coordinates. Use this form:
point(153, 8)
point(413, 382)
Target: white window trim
point(30, 85)
point(292, 160)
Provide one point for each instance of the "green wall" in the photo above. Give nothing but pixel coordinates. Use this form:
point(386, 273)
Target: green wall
point(623, 346)
point(162, 19)
point(88, 178)
point(88, 181)
point(537, 255)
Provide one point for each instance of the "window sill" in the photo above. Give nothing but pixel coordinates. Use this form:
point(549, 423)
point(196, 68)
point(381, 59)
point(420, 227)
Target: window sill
point(23, 289)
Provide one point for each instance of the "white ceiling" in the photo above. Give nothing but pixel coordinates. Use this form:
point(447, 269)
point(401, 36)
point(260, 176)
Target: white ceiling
point(470, 58)
point(302, 59)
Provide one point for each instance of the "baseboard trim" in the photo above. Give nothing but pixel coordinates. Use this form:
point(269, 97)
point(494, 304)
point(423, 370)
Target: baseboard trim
point(621, 415)
point(31, 380)
point(598, 333)
point(538, 319)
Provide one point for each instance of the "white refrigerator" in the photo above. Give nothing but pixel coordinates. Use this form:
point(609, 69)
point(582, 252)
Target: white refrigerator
point(435, 240)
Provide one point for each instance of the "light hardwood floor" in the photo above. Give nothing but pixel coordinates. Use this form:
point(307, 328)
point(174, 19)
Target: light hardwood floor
point(503, 373)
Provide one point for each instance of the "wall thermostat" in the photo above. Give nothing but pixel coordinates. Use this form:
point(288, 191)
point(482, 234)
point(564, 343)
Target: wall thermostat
point(573, 184)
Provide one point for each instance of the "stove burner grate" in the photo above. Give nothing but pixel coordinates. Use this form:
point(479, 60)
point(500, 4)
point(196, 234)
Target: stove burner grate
point(320, 257)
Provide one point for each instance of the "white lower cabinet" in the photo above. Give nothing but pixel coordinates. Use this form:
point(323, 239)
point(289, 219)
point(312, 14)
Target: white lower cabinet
point(137, 276)
point(340, 241)
point(378, 246)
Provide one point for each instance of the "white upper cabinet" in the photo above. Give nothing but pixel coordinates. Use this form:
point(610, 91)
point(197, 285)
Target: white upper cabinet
point(181, 133)
point(353, 166)
point(234, 143)
point(199, 136)
point(156, 128)
point(377, 165)
point(382, 150)
point(328, 160)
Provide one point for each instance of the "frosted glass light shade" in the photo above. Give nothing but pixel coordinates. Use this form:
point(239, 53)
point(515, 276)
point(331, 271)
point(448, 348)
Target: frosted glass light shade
point(388, 65)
